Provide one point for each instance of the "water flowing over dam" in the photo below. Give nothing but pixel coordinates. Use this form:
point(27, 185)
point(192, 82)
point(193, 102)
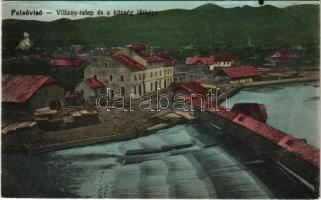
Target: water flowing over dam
point(185, 161)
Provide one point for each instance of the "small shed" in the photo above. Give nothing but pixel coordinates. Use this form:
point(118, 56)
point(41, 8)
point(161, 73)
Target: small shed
point(285, 58)
point(236, 75)
point(30, 92)
point(90, 88)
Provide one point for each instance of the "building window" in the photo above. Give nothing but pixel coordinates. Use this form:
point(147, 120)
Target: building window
point(135, 78)
point(151, 86)
point(111, 77)
point(122, 78)
point(106, 65)
point(139, 89)
point(135, 90)
point(112, 93)
point(140, 77)
point(122, 90)
point(151, 74)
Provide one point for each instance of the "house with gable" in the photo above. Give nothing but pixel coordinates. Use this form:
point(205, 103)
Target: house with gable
point(132, 70)
point(30, 92)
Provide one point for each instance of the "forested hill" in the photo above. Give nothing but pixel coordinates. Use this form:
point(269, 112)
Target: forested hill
point(206, 29)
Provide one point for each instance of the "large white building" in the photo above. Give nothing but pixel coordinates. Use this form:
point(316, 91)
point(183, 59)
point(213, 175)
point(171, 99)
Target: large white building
point(132, 70)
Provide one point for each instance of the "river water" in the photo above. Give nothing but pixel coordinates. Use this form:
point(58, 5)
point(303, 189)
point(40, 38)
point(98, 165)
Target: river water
point(292, 108)
point(208, 166)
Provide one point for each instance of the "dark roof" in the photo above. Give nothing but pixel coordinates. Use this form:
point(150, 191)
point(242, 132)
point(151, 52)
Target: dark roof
point(65, 62)
point(94, 83)
point(237, 72)
point(20, 88)
point(255, 110)
point(190, 87)
point(167, 59)
point(138, 47)
point(285, 55)
point(154, 58)
point(223, 57)
point(130, 63)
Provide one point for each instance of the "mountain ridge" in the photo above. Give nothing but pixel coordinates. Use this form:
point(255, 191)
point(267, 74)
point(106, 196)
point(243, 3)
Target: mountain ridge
point(208, 28)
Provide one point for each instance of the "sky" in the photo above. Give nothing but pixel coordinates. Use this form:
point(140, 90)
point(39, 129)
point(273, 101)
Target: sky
point(49, 8)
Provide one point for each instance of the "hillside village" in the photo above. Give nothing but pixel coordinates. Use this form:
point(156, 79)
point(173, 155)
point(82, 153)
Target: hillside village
point(50, 103)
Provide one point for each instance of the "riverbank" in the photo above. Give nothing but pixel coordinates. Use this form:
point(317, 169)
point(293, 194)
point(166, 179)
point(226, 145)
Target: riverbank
point(115, 126)
point(231, 90)
point(118, 125)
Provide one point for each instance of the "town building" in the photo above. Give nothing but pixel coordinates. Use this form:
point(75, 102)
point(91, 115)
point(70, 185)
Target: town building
point(222, 60)
point(189, 92)
point(65, 63)
point(234, 75)
point(189, 73)
point(256, 111)
point(132, 70)
point(30, 92)
point(188, 88)
point(214, 61)
point(283, 58)
point(90, 88)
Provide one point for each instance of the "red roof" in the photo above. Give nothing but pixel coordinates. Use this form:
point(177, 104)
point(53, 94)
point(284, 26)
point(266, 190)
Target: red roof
point(285, 55)
point(167, 58)
point(190, 87)
point(293, 145)
point(131, 64)
point(192, 60)
point(209, 60)
point(206, 60)
point(20, 88)
point(254, 110)
point(94, 83)
point(152, 59)
point(301, 149)
point(65, 62)
point(226, 57)
point(237, 72)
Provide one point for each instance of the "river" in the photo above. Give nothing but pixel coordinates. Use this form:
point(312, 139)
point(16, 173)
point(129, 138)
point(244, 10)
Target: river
point(292, 108)
point(208, 165)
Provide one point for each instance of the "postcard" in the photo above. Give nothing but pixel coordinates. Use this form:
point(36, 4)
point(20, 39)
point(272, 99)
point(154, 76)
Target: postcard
point(160, 99)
